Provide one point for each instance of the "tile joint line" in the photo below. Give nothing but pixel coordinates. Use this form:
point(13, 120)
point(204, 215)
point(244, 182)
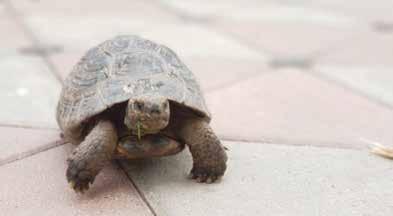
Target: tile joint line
point(33, 38)
point(139, 191)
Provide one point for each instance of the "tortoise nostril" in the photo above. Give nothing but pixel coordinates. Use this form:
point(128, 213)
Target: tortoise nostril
point(155, 109)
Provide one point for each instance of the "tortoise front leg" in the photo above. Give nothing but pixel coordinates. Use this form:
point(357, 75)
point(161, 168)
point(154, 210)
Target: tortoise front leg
point(209, 157)
point(87, 160)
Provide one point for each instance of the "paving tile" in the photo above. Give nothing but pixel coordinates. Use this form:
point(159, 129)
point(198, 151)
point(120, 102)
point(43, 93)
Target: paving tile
point(255, 10)
point(37, 186)
point(64, 62)
point(369, 48)
point(2, 9)
point(362, 10)
point(287, 38)
point(267, 179)
point(215, 8)
point(19, 142)
point(372, 81)
point(198, 41)
point(185, 39)
point(290, 106)
point(132, 9)
point(214, 73)
point(28, 92)
point(76, 34)
point(363, 63)
point(15, 38)
point(304, 9)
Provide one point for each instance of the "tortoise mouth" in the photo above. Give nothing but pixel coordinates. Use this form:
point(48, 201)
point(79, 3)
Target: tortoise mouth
point(142, 128)
point(132, 136)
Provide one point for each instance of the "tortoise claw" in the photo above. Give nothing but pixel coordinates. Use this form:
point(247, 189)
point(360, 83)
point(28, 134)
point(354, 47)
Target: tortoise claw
point(204, 175)
point(78, 176)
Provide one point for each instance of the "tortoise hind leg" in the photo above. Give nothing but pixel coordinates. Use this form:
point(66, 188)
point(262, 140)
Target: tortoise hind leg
point(87, 160)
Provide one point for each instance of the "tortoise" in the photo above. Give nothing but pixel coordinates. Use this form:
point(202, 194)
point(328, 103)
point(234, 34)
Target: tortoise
point(132, 98)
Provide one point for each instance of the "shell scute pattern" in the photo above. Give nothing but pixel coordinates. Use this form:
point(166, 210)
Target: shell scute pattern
point(95, 66)
point(119, 44)
point(123, 68)
point(139, 64)
point(141, 44)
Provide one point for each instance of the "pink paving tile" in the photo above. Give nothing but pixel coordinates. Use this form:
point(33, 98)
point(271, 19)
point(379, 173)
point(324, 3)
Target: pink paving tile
point(15, 38)
point(286, 38)
point(19, 142)
point(64, 62)
point(293, 107)
point(37, 186)
point(215, 72)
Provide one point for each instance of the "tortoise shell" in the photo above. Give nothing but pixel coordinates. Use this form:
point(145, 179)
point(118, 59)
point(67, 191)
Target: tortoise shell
point(119, 69)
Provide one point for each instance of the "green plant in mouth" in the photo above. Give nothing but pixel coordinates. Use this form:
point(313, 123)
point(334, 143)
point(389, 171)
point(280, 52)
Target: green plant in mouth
point(138, 129)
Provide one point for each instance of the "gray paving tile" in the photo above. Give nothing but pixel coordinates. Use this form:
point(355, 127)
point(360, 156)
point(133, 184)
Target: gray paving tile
point(20, 142)
point(28, 91)
point(271, 180)
point(37, 186)
point(291, 106)
point(373, 81)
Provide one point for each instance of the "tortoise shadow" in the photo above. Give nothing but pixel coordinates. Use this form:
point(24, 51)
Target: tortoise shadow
point(154, 172)
point(159, 171)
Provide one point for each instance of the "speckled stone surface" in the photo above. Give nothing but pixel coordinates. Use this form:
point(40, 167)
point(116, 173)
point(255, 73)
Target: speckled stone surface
point(272, 179)
point(293, 107)
point(38, 186)
point(29, 92)
point(15, 39)
point(20, 142)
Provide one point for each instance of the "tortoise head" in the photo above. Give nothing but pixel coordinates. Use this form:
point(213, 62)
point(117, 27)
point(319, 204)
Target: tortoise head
point(147, 115)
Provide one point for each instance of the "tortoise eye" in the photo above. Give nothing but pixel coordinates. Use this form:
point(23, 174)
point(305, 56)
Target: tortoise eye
point(138, 105)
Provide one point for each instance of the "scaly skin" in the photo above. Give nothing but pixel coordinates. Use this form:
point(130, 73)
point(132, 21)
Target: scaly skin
point(209, 157)
point(87, 160)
